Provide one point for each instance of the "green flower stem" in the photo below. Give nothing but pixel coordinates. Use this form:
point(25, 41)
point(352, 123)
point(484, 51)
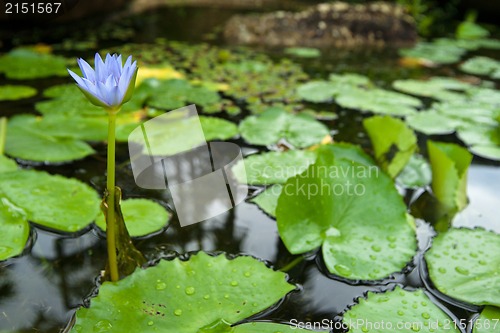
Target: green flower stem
point(110, 222)
point(288, 267)
point(3, 134)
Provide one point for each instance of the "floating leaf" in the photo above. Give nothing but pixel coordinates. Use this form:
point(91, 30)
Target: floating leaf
point(142, 217)
point(268, 199)
point(174, 94)
point(272, 167)
point(463, 264)
point(274, 124)
point(160, 73)
point(471, 30)
point(7, 165)
point(379, 101)
point(11, 92)
point(52, 201)
point(14, 229)
point(394, 143)
point(316, 91)
point(435, 53)
point(417, 173)
point(482, 66)
point(486, 151)
point(303, 52)
point(488, 321)
point(441, 88)
point(449, 163)
point(338, 84)
point(24, 142)
point(27, 64)
point(431, 122)
point(170, 136)
point(353, 211)
point(203, 294)
point(400, 311)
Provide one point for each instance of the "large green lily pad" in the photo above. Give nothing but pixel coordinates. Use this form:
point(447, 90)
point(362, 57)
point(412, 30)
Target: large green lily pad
point(353, 211)
point(482, 66)
point(6, 164)
point(398, 311)
point(449, 164)
point(203, 294)
point(52, 201)
point(182, 134)
point(463, 264)
point(274, 124)
point(441, 88)
point(337, 84)
point(142, 217)
point(27, 64)
point(272, 167)
point(434, 53)
point(379, 101)
point(25, 142)
point(268, 199)
point(394, 143)
point(14, 229)
point(488, 321)
point(14, 92)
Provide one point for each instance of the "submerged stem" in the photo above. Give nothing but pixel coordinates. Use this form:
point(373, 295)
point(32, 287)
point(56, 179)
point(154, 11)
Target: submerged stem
point(292, 264)
point(3, 134)
point(110, 186)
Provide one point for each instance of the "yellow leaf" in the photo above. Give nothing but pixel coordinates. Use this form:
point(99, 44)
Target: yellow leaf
point(161, 73)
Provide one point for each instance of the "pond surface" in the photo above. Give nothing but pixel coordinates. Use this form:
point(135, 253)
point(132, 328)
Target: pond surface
point(40, 291)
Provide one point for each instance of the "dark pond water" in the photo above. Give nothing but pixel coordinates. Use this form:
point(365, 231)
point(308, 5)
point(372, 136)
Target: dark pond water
point(40, 291)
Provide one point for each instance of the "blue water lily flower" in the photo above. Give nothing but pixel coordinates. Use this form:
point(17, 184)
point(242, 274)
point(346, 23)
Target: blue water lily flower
point(111, 84)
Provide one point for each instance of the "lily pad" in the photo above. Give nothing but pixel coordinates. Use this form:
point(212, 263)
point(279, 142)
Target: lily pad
point(24, 142)
point(268, 199)
point(142, 217)
point(463, 264)
point(353, 211)
point(7, 165)
point(303, 52)
point(471, 30)
point(488, 321)
point(434, 53)
point(316, 91)
point(203, 294)
point(398, 310)
point(274, 124)
point(24, 64)
point(394, 143)
point(482, 66)
point(417, 173)
point(272, 167)
point(379, 101)
point(52, 201)
point(441, 88)
point(14, 229)
point(489, 152)
point(172, 135)
point(337, 84)
point(449, 163)
point(430, 122)
point(12, 93)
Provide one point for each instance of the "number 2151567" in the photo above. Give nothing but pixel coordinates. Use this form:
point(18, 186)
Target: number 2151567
point(32, 8)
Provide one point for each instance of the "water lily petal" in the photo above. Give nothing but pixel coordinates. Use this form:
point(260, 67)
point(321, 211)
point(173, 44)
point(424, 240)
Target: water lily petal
point(100, 69)
point(75, 76)
point(87, 71)
point(119, 60)
point(131, 86)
